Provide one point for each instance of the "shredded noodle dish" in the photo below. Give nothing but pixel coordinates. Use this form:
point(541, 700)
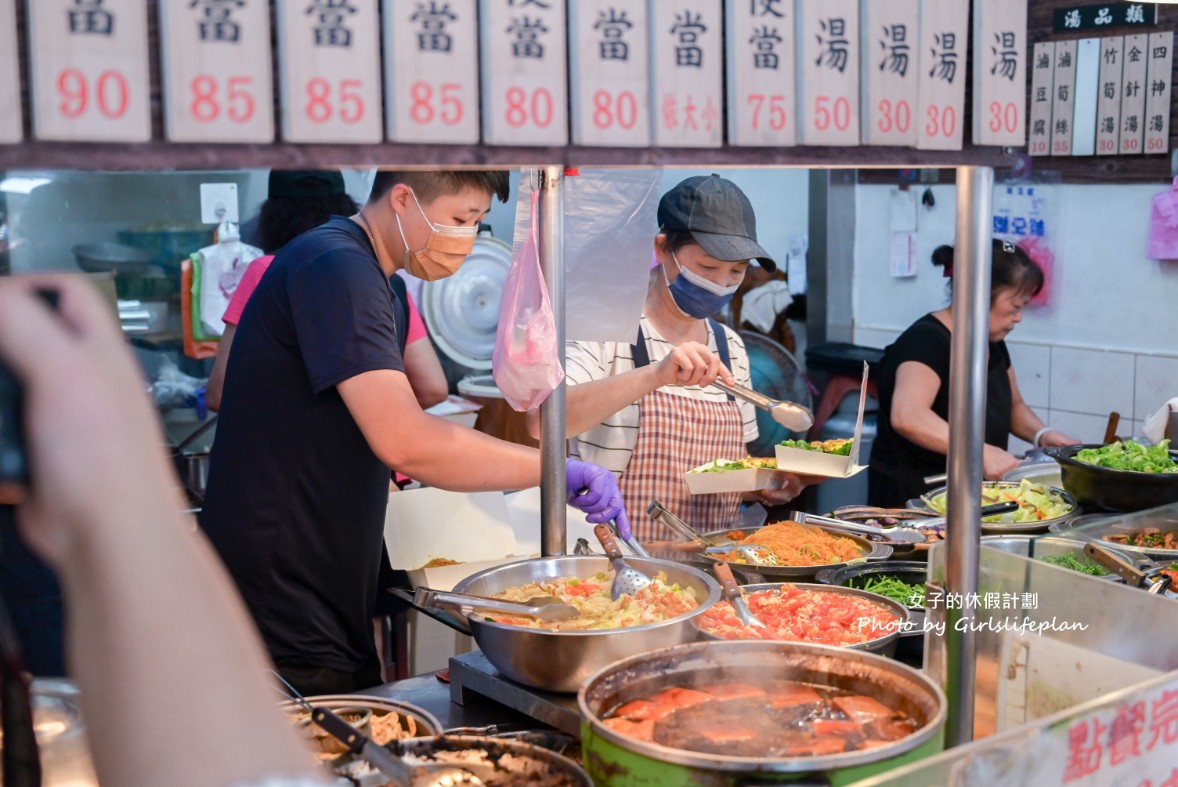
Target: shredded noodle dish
point(796, 544)
point(661, 600)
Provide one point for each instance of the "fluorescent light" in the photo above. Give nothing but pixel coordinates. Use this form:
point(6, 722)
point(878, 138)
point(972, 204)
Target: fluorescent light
point(19, 185)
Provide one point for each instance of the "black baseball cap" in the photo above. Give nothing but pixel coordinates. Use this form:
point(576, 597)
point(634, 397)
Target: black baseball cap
point(718, 215)
point(305, 183)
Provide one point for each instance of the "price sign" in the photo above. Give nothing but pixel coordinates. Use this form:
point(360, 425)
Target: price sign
point(944, 35)
point(761, 53)
point(1065, 98)
point(88, 66)
point(216, 71)
point(687, 101)
point(523, 73)
point(1042, 83)
point(610, 79)
point(999, 75)
point(10, 112)
point(329, 71)
point(1133, 91)
point(1157, 101)
point(1086, 90)
point(828, 93)
point(1108, 100)
point(891, 71)
point(431, 72)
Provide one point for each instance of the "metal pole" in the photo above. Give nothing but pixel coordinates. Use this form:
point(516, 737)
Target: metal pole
point(967, 418)
point(553, 522)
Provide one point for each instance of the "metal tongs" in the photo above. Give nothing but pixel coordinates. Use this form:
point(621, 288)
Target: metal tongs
point(790, 415)
point(1152, 580)
point(547, 608)
point(715, 543)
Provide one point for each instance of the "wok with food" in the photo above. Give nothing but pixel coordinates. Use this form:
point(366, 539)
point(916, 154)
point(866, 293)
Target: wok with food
point(819, 614)
point(658, 601)
point(561, 659)
point(721, 712)
point(1038, 505)
point(801, 550)
point(1121, 477)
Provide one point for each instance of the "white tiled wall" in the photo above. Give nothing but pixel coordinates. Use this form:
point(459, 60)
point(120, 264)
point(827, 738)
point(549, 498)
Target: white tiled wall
point(1156, 383)
point(1092, 381)
point(1032, 370)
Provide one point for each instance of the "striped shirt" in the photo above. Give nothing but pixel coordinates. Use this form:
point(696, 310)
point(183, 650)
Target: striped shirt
point(611, 443)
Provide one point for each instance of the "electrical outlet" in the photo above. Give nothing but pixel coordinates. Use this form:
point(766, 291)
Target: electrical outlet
point(218, 203)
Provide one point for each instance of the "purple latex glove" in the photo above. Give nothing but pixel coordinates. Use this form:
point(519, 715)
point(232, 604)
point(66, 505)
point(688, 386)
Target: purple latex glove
point(594, 490)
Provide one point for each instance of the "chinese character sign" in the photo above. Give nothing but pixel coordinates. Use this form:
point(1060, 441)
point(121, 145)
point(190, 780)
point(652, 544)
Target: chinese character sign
point(1063, 98)
point(1042, 85)
point(687, 98)
point(1157, 101)
point(523, 72)
point(890, 71)
point(89, 71)
point(10, 109)
point(1108, 99)
point(329, 52)
point(431, 71)
point(1134, 88)
point(944, 33)
point(761, 56)
point(1101, 17)
point(999, 76)
point(217, 83)
point(610, 73)
point(828, 35)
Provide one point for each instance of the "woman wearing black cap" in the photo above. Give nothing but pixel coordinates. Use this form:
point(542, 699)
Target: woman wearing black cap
point(913, 435)
point(645, 411)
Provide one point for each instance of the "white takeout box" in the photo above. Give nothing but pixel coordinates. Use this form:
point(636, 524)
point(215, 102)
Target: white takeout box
point(799, 460)
point(700, 482)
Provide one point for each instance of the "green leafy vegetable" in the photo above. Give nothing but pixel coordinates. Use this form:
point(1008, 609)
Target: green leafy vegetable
point(893, 588)
point(838, 447)
point(1036, 502)
point(1131, 456)
point(1082, 564)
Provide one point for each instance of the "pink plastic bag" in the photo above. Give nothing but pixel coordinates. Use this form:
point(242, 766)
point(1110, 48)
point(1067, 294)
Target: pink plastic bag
point(1163, 226)
point(526, 364)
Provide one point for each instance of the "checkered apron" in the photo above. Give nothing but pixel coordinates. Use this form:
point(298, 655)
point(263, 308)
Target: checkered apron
point(675, 434)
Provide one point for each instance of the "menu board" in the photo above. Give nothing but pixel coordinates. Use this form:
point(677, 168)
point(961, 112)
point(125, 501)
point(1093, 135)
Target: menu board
point(891, 71)
point(431, 72)
point(1042, 81)
point(10, 109)
point(523, 72)
point(216, 71)
point(944, 37)
point(88, 70)
point(761, 57)
point(1133, 90)
point(1086, 90)
point(999, 76)
point(1065, 98)
point(1157, 101)
point(329, 71)
point(1108, 101)
point(687, 53)
point(828, 52)
point(609, 82)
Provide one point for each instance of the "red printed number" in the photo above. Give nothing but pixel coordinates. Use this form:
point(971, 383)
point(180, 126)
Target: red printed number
point(322, 105)
point(1040, 146)
point(1062, 146)
point(942, 121)
point(1108, 145)
point(776, 116)
point(1003, 117)
point(523, 107)
point(1129, 143)
point(825, 113)
point(111, 93)
point(894, 118)
point(449, 103)
point(206, 104)
point(1155, 144)
point(608, 109)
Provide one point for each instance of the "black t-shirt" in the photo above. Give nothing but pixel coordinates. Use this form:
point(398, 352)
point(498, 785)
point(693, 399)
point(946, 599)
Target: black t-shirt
point(927, 341)
point(296, 497)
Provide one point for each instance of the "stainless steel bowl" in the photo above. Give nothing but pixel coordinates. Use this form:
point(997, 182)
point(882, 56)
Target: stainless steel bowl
point(1049, 546)
point(99, 257)
point(1002, 528)
point(562, 660)
point(885, 644)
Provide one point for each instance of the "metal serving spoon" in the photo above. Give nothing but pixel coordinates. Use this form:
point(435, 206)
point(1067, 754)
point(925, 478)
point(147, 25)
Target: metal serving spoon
point(734, 596)
point(790, 415)
point(627, 579)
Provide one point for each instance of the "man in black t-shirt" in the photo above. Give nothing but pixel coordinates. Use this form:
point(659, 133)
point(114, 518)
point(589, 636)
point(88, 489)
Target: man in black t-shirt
point(317, 408)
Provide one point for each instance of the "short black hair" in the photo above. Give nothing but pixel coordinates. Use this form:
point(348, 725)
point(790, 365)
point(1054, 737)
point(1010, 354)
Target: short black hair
point(677, 239)
point(430, 184)
point(282, 219)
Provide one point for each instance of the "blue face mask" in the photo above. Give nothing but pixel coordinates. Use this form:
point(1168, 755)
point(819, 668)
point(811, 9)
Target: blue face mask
point(695, 295)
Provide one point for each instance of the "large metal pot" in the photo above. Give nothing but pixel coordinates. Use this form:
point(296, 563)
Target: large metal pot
point(1001, 528)
point(910, 647)
point(885, 644)
point(562, 660)
point(1049, 546)
point(618, 760)
point(1114, 490)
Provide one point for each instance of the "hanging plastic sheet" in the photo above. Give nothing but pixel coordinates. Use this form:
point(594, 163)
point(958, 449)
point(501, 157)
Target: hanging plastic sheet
point(610, 220)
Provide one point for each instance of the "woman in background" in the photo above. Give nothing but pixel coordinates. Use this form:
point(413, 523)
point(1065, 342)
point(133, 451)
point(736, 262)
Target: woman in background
point(913, 436)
